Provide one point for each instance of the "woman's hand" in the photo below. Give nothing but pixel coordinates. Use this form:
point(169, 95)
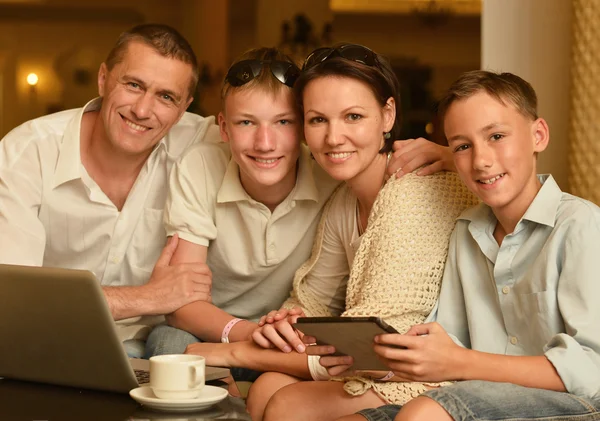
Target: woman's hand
point(414, 153)
point(276, 330)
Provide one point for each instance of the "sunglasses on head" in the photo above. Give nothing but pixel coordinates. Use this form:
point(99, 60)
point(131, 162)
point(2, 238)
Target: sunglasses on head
point(353, 52)
point(244, 71)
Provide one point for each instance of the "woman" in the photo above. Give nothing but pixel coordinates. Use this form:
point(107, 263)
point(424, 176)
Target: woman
point(257, 197)
point(349, 97)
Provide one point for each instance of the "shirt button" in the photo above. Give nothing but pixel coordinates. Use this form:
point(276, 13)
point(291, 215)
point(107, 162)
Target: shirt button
point(115, 260)
point(505, 290)
point(272, 246)
point(514, 340)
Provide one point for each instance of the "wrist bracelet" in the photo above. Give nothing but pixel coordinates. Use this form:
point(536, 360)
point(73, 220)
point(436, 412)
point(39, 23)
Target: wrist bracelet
point(227, 329)
point(385, 378)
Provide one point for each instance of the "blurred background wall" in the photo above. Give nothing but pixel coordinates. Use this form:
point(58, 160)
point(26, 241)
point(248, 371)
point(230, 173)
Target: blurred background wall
point(64, 42)
point(429, 42)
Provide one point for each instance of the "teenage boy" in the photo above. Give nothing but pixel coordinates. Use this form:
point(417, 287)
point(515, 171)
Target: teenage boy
point(518, 316)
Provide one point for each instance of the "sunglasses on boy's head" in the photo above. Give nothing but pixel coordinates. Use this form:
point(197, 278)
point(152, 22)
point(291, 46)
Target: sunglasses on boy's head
point(353, 52)
point(244, 71)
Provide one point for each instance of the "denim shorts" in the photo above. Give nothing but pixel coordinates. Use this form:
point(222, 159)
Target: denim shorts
point(383, 413)
point(490, 401)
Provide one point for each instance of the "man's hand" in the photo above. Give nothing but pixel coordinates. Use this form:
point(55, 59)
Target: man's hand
point(275, 330)
point(336, 365)
point(173, 286)
point(414, 153)
point(425, 353)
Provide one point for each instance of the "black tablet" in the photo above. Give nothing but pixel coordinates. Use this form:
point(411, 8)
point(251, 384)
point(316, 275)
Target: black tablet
point(349, 335)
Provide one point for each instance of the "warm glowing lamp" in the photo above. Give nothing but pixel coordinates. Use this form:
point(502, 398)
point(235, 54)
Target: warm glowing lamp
point(32, 79)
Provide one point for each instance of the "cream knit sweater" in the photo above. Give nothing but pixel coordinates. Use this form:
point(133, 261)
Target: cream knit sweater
point(397, 271)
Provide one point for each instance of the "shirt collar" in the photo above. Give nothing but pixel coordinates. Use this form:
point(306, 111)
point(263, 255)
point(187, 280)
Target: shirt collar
point(541, 211)
point(545, 205)
point(69, 165)
point(305, 189)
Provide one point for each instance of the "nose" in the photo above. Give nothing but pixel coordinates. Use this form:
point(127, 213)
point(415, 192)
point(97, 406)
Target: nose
point(483, 156)
point(334, 135)
point(265, 139)
point(142, 107)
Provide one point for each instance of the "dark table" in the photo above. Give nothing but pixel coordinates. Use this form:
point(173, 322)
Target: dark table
point(39, 402)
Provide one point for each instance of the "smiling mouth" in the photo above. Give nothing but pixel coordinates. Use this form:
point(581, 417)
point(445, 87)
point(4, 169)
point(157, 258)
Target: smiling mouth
point(265, 160)
point(136, 127)
point(339, 155)
point(491, 180)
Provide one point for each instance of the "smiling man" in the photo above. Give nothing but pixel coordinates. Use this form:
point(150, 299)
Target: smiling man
point(86, 188)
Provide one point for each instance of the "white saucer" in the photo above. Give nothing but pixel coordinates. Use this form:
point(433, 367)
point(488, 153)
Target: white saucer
point(209, 396)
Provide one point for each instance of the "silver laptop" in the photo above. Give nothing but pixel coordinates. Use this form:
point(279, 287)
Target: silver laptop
point(55, 327)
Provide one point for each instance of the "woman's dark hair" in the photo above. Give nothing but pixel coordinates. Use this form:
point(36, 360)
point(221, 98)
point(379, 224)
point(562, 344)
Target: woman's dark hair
point(380, 78)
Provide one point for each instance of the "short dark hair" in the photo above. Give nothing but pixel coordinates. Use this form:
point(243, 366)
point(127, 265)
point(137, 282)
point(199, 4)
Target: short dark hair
point(164, 39)
point(380, 78)
point(501, 86)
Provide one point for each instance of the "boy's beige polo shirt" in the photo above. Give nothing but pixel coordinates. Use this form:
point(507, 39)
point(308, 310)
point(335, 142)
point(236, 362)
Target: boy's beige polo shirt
point(252, 252)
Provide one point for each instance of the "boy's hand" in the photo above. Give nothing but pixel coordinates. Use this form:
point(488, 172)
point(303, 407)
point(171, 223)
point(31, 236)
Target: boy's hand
point(414, 153)
point(276, 330)
point(335, 364)
point(428, 354)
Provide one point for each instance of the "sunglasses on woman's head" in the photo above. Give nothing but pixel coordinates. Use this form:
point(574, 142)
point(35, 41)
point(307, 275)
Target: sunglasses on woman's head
point(353, 52)
point(244, 71)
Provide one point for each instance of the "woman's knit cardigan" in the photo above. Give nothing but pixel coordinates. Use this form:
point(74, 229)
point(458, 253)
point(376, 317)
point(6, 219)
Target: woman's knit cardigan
point(398, 268)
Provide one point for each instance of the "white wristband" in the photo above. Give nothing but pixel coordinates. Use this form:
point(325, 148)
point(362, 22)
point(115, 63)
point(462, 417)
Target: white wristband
point(385, 378)
point(227, 329)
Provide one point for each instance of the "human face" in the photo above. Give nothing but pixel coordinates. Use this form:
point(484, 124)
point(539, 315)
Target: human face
point(344, 125)
point(494, 148)
point(143, 96)
point(263, 131)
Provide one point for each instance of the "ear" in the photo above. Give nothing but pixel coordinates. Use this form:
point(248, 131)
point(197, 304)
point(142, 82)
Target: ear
point(189, 101)
point(183, 109)
point(223, 127)
point(541, 135)
point(389, 114)
point(102, 75)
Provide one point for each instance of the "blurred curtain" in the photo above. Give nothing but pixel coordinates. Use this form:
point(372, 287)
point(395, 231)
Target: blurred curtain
point(584, 156)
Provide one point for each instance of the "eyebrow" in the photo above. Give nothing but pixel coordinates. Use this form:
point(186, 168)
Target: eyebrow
point(482, 130)
point(174, 95)
point(352, 107)
point(345, 110)
point(280, 115)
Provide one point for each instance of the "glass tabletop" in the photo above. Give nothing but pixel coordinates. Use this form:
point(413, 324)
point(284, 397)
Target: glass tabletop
point(32, 401)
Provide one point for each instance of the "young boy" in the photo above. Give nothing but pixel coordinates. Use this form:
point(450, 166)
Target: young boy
point(518, 320)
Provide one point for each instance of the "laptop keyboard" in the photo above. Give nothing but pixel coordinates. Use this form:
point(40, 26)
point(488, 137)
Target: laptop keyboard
point(142, 376)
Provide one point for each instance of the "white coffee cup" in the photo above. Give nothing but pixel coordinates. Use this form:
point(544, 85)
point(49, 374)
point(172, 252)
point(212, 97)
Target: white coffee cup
point(177, 376)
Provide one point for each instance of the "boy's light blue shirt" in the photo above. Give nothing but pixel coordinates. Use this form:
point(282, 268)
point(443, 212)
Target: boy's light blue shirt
point(536, 294)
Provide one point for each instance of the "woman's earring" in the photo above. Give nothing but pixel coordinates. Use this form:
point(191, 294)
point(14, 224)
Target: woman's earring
point(387, 135)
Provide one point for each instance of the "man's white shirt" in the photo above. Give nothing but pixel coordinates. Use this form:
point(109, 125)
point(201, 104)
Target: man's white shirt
point(53, 214)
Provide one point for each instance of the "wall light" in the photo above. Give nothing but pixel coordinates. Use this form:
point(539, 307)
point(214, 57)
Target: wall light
point(32, 79)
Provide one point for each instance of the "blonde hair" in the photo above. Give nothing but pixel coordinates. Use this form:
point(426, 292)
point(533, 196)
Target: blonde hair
point(265, 80)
